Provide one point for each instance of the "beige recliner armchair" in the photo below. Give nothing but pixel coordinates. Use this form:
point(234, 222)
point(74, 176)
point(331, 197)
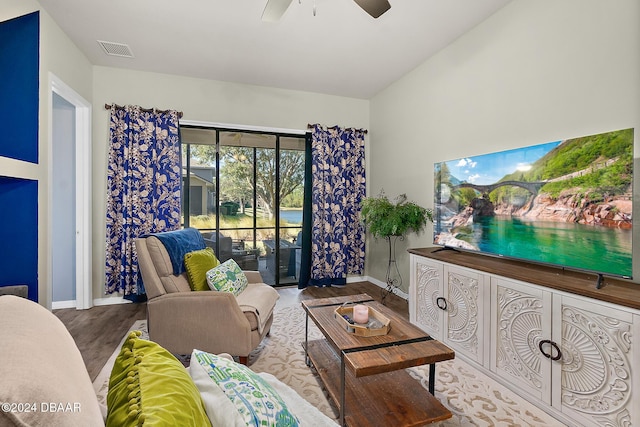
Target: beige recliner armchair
point(216, 322)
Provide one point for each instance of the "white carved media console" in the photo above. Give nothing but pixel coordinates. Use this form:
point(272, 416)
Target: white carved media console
point(547, 334)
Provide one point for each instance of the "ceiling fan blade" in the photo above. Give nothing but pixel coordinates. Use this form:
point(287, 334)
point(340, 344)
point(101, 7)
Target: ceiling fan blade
point(374, 8)
point(274, 10)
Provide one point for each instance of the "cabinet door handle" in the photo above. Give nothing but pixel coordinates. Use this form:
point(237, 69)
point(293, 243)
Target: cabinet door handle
point(548, 355)
point(441, 303)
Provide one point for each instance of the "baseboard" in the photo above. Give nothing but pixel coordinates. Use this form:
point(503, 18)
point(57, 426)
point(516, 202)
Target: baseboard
point(57, 305)
point(110, 301)
point(383, 285)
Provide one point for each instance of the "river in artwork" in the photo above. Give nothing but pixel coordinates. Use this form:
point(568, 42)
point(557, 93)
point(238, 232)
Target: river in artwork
point(585, 247)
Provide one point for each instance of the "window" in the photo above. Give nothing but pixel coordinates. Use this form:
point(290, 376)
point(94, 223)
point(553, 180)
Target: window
point(244, 190)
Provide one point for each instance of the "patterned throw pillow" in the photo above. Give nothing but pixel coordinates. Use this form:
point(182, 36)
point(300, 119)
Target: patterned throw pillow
point(197, 263)
point(235, 395)
point(227, 277)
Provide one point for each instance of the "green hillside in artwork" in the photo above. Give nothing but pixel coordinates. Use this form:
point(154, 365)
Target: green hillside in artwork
point(600, 165)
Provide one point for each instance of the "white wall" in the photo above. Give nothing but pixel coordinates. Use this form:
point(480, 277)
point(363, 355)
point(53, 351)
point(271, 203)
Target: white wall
point(535, 72)
point(203, 101)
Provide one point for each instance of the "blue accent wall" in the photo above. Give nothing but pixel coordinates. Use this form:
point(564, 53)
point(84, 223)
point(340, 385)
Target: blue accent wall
point(19, 82)
point(19, 234)
point(19, 98)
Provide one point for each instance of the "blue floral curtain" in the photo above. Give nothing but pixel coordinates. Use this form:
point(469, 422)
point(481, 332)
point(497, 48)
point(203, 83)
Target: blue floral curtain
point(143, 193)
point(338, 186)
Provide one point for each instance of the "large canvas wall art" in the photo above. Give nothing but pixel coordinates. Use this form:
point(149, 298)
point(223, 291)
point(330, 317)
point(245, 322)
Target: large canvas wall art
point(566, 203)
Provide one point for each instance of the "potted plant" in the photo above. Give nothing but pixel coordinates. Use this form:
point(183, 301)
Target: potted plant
point(393, 220)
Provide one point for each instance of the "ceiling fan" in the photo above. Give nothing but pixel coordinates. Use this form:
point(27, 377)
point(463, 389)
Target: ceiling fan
point(276, 8)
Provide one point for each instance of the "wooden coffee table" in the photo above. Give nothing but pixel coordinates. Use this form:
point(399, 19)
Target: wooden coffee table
point(365, 376)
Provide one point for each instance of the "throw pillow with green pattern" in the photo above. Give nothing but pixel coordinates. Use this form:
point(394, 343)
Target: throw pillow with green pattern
point(227, 277)
point(235, 395)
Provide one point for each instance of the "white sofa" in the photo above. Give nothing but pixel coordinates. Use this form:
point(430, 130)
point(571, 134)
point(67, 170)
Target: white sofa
point(44, 381)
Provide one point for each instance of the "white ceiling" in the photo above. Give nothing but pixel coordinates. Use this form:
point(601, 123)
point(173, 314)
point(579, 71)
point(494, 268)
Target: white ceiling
point(340, 51)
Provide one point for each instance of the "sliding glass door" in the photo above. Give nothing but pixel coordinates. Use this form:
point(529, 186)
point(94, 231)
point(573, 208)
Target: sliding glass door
point(244, 190)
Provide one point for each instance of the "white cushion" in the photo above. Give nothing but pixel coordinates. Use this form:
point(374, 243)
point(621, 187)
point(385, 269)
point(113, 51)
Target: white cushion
point(234, 395)
point(307, 414)
point(42, 374)
point(227, 277)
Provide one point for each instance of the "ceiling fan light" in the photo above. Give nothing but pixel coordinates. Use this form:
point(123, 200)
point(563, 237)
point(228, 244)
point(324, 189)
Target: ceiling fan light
point(375, 8)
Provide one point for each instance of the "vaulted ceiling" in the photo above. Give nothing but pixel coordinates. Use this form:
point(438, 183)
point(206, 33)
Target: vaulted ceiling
point(340, 50)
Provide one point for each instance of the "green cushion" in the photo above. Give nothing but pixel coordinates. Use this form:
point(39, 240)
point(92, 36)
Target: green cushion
point(197, 263)
point(149, 386)
point(227, 277)
point(235, 395)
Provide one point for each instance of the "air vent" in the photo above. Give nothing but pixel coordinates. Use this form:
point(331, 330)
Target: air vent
point(116, 49)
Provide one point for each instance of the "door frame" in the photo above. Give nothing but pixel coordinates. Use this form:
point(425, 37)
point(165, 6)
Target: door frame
point(83, 273)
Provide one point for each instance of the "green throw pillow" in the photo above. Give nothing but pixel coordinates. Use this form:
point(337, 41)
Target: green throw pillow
point(227, 277)
point(197, 263)
point(235, 395)
point(149, 386)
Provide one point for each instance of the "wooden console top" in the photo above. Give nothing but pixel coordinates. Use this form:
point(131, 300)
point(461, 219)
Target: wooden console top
point(615, 291)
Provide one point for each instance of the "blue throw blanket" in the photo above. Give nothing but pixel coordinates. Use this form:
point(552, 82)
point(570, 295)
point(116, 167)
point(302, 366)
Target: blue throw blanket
point(179, 243)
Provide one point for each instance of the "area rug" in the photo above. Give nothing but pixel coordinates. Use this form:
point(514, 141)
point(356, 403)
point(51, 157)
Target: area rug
point(473, 398)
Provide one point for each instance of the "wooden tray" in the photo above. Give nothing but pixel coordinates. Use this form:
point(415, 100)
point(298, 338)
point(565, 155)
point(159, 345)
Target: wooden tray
point(363, 330)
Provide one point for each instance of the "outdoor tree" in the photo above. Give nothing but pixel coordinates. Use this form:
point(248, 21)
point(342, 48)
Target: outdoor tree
point(236, 173)
point(236, 181)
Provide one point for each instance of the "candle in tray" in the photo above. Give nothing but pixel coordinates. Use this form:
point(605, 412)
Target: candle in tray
point(361, 314)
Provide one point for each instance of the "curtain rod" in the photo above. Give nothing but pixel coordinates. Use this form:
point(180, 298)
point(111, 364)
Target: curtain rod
point(309, 126)
point(110, 106)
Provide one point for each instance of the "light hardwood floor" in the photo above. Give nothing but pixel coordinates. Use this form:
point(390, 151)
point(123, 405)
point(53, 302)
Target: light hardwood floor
point(98, 330)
